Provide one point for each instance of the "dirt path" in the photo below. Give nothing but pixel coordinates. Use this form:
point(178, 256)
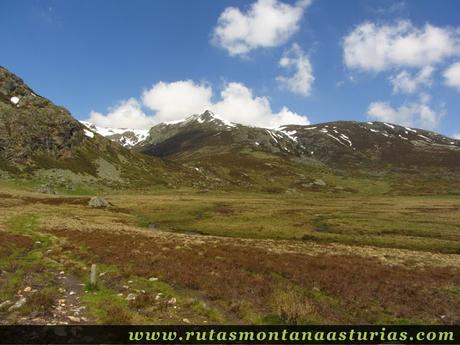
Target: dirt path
point(67, 307)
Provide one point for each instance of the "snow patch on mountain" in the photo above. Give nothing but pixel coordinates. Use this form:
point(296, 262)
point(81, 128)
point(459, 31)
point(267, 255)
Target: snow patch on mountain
point(127, 137)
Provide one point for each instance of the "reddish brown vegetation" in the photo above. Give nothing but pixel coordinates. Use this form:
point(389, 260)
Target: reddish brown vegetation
point(10, 243)
point(357, 289)
point(58, 200)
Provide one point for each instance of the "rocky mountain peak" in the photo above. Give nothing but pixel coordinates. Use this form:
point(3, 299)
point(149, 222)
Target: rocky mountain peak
point(207, 118)
point(14, 92)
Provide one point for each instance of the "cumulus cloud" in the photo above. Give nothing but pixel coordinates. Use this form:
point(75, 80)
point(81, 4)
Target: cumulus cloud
point(416, 114)
point(457, 136)
point(405, 82)
point(171, 101)
point(301, 80)
point(267, 23)
point(177, 100)
point(238, 104)
point(452, 75)
point(126, 114)
point(373, 47)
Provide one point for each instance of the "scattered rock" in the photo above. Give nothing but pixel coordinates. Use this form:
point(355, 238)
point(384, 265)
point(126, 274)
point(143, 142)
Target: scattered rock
point(152, 226)
point(47, 189)
point(131, 297)
point(172, 301)
point(185, 320)
point(28, 289)
point(5, 304)
point(61, 302)
point(98, 202)
point(74, 318)
point(153, 279)
point(319, 182)
point(18, 304)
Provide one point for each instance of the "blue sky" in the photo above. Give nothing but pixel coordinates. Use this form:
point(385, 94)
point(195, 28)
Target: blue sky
point(263, 62)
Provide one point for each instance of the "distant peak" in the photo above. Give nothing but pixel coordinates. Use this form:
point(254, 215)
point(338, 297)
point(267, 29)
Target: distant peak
point(208, 114)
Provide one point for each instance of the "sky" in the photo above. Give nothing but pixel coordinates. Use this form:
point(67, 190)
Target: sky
point(259, 62)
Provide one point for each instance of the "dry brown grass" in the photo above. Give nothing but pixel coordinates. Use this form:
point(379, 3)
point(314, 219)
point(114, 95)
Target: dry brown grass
point(116, 315)
point(41, 301)
point(366, 288)
point(11, 242)
point(292, 306)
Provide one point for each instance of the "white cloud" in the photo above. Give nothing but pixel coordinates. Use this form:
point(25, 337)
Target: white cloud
point(457, 136)
point(408, 83)
point(127, 114)
point(416, 114)
point(373, 47)
point(302, 79)
point(172, 101)
point(267, 23)
point(177, 100)
point(239, 105)
point(452, 75)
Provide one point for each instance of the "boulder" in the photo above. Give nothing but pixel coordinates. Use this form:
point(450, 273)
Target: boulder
point(18, 304)
point(47, 189)
point(131, 297)
point(98, 202)
point(319, 182)
point(5, 304)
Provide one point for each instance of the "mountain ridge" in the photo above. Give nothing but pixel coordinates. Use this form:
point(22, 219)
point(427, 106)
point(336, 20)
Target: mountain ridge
point(206, 151)
point(43, 140)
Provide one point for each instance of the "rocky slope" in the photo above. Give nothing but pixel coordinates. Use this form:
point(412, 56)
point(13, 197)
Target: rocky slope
point(205, 151)
point(127, 137)
point(37, 137)
point(339, 144)
point(250, 155)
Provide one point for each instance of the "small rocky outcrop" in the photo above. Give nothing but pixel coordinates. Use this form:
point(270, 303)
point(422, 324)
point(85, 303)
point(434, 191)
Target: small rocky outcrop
point(47, 189)
point(98, 202)
point(18, 304)
point(319, 182)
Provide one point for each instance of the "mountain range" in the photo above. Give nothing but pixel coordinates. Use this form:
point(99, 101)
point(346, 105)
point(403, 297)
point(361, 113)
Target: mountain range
point(206, 151)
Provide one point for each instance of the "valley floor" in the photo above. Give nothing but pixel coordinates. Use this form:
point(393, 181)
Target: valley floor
point(187, 257)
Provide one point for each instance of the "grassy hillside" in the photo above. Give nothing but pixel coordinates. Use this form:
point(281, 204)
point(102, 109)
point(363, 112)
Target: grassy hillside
point(41, 141)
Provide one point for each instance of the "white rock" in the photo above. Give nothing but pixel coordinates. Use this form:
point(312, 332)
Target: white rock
point(14, 100)
point(18, 304)
point(5, 304)
point(153, 279)
point(73, 318)
point(131, 297)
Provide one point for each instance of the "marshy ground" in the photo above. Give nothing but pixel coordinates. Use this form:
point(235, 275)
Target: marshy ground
point(229, 257)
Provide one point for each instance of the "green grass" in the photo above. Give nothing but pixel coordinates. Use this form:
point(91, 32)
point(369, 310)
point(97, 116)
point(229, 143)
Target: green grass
point(420, 223)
